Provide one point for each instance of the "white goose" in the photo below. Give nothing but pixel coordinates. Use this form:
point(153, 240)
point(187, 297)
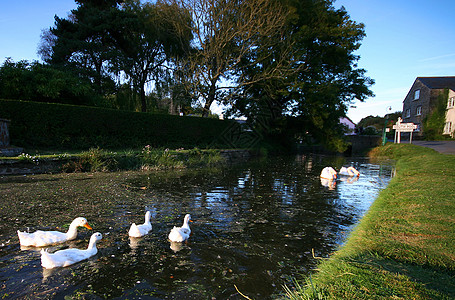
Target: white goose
point(67, 257)
point(350, 171)
point(328, 173)
point(181, 234)
point(43, 238)
point(143, 229)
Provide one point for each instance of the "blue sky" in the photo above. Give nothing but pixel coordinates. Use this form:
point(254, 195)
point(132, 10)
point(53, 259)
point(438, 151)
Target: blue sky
point(405, 39)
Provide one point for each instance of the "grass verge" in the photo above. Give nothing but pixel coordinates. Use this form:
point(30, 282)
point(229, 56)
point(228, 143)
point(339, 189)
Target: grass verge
point(404, 247)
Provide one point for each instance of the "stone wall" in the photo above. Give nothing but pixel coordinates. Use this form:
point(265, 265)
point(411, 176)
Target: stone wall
point(361, 143)
point(4, 133)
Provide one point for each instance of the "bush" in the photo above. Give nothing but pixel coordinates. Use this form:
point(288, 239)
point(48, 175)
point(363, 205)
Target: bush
point(94, 160)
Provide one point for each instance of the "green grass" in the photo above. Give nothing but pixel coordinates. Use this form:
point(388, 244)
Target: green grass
point(100, 160)
point(404, 247)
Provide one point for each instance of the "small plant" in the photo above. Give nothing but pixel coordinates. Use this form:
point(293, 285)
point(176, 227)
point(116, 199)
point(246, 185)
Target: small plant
point(24, 157)
point(204, 157)
point(159, 159)
point(63, 156)
point(94, 160)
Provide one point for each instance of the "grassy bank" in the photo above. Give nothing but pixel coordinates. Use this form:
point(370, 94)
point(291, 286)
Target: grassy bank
point(404, 247)
point(99, 160)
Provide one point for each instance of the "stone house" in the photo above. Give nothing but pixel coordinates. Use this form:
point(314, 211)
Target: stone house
point(421, 98)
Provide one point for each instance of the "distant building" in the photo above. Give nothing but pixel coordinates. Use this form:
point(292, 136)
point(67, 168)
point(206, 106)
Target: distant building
point(422, 95)
point(449, 127)
point(348, 124)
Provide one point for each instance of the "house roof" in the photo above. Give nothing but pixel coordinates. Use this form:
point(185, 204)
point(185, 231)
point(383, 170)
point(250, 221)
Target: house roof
point(447, 82)
point(348, 122)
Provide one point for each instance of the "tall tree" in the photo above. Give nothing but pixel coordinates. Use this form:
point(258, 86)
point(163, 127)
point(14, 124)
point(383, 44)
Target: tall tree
point(148, 36)
point(326, 40)
point(226, 36)
point(82, 42)
point(326, 80)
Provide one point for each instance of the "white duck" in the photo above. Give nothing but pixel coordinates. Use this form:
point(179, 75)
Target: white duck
point(67, 257)
point(181, 234)
point(329, 173)
point(43, 238)
point(350, 171)
point(143, 229)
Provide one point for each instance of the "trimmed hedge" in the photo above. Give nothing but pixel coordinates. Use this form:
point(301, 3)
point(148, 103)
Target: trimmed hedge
point(59, 126)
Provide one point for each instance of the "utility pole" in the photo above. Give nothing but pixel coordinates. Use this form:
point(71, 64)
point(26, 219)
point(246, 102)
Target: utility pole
point(384, 138)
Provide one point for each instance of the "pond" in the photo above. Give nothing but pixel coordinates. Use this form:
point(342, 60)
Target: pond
point(256, 226)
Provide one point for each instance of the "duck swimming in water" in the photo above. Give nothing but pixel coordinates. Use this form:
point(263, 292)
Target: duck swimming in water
point(328, 173)
point(181, 234)
point(141, 230)
point(44, 238)
point(349, 171)
point(67, 257)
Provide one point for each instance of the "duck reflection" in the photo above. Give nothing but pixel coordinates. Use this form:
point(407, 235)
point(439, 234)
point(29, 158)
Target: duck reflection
point(47, 273)
point(331, 184)
point(176, 246)
point(134, 243)
point(350, 179)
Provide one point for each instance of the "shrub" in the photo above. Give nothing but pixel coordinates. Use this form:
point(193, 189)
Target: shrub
point(94, 160)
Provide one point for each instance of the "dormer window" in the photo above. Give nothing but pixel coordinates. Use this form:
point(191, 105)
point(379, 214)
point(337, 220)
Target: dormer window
point(416, 94)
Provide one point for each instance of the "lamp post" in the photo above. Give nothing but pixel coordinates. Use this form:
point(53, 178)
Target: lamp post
point(384, 138)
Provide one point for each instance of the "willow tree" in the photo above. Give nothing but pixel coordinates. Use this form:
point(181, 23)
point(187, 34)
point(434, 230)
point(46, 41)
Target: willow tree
point(226, 35)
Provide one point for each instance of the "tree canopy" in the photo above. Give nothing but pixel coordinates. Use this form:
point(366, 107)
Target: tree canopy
point(288, 66)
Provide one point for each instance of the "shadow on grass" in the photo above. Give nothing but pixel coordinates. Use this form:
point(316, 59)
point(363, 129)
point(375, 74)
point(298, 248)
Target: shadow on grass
point(377, 276)
point(433, 279)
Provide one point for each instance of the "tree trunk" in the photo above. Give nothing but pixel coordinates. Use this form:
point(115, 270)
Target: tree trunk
point(143, 102)
point(210, 99)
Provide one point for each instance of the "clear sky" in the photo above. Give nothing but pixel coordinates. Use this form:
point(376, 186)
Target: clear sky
point(405, 39)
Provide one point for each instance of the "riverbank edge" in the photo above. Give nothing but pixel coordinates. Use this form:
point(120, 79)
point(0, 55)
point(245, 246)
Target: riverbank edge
point(55, 163)
point(403, 248)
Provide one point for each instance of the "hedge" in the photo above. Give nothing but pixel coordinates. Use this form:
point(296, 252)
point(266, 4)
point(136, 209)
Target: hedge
point(60, 126)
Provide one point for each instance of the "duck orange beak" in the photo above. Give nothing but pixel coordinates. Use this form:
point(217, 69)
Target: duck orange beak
point(88, 226)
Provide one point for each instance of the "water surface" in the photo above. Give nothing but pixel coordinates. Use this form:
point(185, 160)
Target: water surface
point(255, 227)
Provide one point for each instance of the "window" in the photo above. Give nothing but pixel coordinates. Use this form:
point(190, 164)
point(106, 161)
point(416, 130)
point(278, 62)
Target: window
point(451, 102)
point(416, 94)
point(448, 128)
point(419, 111)
point(408, 113)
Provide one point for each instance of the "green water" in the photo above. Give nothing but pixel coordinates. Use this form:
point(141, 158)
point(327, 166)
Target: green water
point(255, 225)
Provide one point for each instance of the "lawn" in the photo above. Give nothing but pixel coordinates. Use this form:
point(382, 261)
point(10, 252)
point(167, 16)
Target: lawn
point(404, 247)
